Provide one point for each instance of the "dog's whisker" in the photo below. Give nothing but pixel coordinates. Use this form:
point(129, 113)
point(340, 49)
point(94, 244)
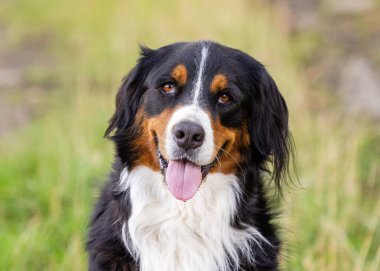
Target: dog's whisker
point(233, 159)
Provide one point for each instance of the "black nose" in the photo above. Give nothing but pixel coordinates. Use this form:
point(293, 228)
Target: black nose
point(188, 135)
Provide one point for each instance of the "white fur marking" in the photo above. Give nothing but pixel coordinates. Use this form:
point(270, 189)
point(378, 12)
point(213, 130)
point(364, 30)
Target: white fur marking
point(123, 236)
point(197, 115)
point(198, 84)
point(168, 235)
point(123, 179)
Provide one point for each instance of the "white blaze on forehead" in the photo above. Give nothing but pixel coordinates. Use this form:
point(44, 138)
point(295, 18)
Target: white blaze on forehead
point(195, 114)
point(198, 82)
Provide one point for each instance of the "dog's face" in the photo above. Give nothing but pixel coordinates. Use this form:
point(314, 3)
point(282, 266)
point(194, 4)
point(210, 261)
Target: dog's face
point(190, 109)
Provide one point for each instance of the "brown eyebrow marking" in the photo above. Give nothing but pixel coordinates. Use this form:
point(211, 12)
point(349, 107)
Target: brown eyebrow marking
point(179, 74)
point(219, 82)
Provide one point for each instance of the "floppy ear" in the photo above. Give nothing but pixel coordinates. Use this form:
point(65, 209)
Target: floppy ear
point(129, 96)
point(270, 137)
point(125, 105)
point(122, 128)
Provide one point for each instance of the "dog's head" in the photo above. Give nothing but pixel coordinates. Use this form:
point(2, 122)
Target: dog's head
point(190, 109)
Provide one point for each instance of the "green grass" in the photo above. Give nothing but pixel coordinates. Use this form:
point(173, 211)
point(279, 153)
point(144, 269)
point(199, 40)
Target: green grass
point(51, 169)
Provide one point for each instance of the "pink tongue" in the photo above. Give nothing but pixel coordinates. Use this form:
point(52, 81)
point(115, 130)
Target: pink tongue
point(183, 179)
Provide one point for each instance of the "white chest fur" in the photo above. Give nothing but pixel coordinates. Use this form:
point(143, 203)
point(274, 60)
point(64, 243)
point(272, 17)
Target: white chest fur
point(168, 235)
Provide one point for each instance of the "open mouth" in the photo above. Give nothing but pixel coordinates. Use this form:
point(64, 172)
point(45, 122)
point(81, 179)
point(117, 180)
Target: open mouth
point(165, 163)
point(183, 177)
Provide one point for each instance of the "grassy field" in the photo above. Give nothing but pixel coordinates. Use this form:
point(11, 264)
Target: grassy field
point(51, 168)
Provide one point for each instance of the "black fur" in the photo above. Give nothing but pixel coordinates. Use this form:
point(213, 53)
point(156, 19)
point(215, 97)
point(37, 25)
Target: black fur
point(257, 101)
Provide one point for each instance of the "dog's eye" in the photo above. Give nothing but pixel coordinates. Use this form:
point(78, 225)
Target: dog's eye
point(168, 88)
point(224, 98)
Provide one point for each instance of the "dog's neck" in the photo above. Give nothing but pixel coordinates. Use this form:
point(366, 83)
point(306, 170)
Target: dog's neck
point(166, 234)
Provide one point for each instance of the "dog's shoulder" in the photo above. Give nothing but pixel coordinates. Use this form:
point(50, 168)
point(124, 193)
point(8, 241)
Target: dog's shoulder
point(104, 241)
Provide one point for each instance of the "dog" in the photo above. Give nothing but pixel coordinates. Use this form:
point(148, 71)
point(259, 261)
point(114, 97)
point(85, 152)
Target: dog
point(200, 130)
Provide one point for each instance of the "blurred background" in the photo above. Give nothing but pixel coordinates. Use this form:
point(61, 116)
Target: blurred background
point(61, 64)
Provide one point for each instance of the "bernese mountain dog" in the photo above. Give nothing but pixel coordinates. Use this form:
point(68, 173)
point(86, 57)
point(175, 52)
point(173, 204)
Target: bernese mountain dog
point(200, 129)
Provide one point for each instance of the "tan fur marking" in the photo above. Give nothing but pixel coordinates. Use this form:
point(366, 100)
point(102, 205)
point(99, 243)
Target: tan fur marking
point(158, 125)
point(219, 83)
point(230, 158)
point(144, 144)
point(179, 74)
